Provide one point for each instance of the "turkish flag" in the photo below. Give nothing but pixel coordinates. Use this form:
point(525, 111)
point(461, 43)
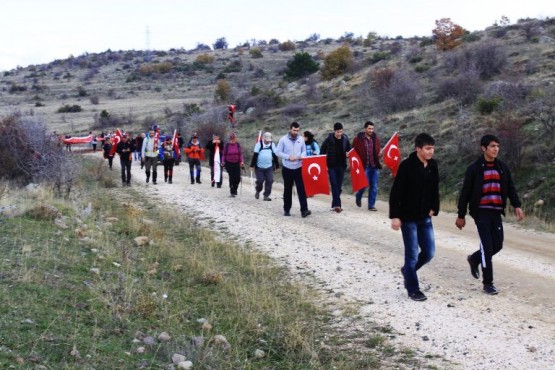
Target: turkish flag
point(358, 175)
point(315, 175)
point(115, 140)
point(392, 154)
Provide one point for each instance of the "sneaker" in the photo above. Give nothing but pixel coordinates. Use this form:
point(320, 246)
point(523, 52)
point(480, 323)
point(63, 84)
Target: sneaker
point(358, 202)
point(490, 289)
point(373, 209)
point(306, 213)
point(474, 270)
point(286, 213)
point(257, 195)
point(417, 296)
point(267, 199)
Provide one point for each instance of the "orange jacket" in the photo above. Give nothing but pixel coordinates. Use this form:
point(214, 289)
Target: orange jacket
point(194, 151)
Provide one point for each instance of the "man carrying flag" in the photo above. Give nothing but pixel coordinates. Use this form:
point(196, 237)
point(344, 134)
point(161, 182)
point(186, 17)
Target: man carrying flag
point(392, 154)
point(291, 149)
point(335, 147)
point(367, 146)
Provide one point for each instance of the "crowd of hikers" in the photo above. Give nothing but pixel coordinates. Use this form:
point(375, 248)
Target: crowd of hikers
point(413, 199)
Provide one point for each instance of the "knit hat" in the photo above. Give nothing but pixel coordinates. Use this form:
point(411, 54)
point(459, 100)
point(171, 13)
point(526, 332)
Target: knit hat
point(337, 126)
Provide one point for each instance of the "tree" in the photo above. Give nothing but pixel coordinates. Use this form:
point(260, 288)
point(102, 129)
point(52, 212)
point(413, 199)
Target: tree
point(447, 34)
point(223, 91)
point(220, 43)
point(300, 66)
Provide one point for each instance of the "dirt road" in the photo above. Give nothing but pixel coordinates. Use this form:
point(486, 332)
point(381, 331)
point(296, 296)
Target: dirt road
point(354, 256)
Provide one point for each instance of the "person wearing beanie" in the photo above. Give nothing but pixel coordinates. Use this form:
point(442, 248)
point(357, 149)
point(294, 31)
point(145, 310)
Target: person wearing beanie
point(335, 147)
point(264, 162)
point(195, 153)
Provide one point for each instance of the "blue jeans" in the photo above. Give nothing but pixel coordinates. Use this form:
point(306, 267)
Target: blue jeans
point(372, 175)
point(417, 235)
point(336, 175)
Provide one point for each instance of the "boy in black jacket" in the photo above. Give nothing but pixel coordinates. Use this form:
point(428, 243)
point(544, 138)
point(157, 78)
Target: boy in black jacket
point(413, 199)
point(486, 187)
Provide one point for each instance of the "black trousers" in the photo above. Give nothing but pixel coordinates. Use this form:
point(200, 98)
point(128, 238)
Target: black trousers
point(234, 172)
point(291, 177)
point(125, 170)
point(490, 230)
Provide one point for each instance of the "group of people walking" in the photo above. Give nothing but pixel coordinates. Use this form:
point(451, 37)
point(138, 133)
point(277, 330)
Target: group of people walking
point(413, 199)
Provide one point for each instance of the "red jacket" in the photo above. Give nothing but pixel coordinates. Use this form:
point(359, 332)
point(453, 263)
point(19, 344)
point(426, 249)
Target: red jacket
point(360, 148)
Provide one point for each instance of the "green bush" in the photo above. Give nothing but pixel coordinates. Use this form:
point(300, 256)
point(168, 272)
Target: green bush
point(300, 66)
point(487, 106)
point(287, 46)
point(223, 91)
point(70, 108)
point(421, 68)
point(234, 66)
point(379, 56)
point(255, 53)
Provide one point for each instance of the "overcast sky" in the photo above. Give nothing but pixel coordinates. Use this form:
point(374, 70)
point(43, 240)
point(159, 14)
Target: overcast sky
point(40, 31)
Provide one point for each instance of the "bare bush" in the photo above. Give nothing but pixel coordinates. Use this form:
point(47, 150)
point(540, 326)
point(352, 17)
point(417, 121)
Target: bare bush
point(465, 87)
point(294, 109)
point(32, 154)
point(512, 95)
point(488, 57)
point(395, 91)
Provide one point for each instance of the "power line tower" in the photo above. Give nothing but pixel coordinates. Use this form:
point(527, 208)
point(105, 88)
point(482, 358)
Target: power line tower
point(148, 53)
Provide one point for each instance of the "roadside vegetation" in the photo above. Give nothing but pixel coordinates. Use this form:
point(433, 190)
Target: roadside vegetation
point(104, 279)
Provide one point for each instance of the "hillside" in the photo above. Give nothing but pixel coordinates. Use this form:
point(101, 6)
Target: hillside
point(498, 80)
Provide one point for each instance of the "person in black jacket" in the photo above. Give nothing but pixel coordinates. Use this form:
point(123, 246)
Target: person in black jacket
point(211, 146)
point(335, 147)
point(125, 150)
point(486, 187)
point(413, 200)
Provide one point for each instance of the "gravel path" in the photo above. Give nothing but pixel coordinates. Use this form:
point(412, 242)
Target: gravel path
point(355, 256)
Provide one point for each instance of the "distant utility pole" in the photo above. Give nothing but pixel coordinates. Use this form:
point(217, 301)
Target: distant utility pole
point(148, 55)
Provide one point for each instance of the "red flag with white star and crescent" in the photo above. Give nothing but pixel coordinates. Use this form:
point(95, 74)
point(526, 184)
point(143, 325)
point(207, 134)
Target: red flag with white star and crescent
point(358, 175)
point(115, 140)
point(392, 154)
point(315, 175)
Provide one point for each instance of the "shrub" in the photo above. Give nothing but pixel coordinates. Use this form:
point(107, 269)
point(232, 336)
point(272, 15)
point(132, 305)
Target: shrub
point(300, 66)
point(223, 91)
point(512, 95)
point(81, 91)
point(70, 108)
point(235, 66)
point(395, 90)
point(15, 88)
point(294, 109)
point(447, 34)
point(204, 59)
point(489, 58)
point(31, 153)
point(378, 56)
point(94, 99)
point(255, 53)
point(421, 68)
point(487, 106)
point(471, 37)
point(337, 62)
point(287, 46)
point(465, 87)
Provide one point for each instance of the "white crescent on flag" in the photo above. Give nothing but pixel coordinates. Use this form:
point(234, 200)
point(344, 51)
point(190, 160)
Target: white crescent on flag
point(395, 149)
point(357, 166)
point(317, 166)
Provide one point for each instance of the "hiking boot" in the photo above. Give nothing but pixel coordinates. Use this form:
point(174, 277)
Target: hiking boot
point(474, 270)
point(286, 213)
point(358, 202)
point(490, 289)
point(338, 209)
point(198, 180)
point(267, 199)
point(373, 209)
point(417, 296)
point(305, 213)
point(257, 195)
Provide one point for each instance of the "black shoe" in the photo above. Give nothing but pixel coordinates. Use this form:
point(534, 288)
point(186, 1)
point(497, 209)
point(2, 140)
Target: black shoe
point(257, 195)
point(267, 199)
point(306, 213)
point(286, 213)
point(474, 270)
point(417, 296)
point(358, 202)
point(198, 180)
point(373, 209)
point(213, 183)
point(490, 289)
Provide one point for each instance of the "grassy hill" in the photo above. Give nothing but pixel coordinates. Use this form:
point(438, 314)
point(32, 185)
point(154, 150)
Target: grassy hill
point(499, 80)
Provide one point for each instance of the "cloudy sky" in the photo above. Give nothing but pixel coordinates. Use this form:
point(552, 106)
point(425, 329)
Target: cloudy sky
point(40, 31)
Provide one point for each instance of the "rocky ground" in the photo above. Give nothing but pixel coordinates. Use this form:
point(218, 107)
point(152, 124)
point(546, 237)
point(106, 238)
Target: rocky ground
point(355, 256)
